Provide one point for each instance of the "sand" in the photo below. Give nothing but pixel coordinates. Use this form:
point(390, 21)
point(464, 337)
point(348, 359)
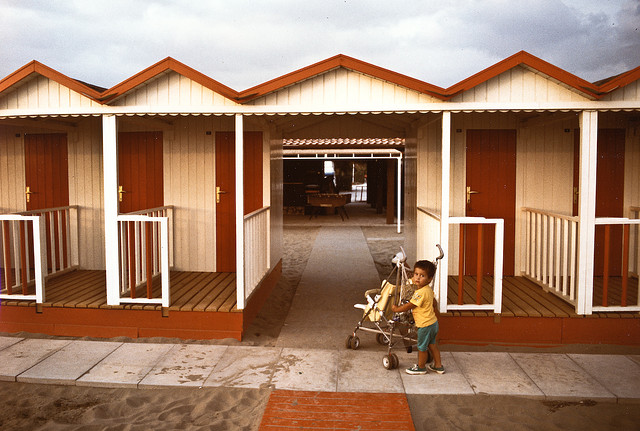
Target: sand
point(52, 407)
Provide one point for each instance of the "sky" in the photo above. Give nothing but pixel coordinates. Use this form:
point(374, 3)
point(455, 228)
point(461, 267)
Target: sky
point(243, 43)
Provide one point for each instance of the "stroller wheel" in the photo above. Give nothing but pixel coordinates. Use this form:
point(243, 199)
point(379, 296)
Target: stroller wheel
point(347, 342)
point(381, 339)
point(355, 343)
point(387, 362)
point(394, 360)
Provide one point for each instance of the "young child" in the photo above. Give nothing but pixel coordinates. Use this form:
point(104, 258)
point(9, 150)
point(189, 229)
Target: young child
point(424, 308)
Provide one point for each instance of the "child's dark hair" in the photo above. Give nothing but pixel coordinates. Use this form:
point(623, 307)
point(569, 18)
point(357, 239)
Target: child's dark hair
point(427, 266)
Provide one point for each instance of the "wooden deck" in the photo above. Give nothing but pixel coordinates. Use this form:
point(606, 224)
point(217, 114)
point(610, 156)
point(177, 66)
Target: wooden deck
point(190, 291)
point(522, 297)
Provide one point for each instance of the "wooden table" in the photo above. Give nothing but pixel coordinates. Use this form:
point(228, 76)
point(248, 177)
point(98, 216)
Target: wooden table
point(318, 201)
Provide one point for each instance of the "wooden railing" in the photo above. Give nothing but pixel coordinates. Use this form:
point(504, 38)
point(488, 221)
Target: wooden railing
point(634, 263)
point(24, 257)
point(61, 244)
point(626, 224)
point(256, 248)
point(551, 246)
point(145, 252)
point(498, 256)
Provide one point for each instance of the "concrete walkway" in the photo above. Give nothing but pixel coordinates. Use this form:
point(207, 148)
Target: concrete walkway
point(614, 378)
point(310, 353)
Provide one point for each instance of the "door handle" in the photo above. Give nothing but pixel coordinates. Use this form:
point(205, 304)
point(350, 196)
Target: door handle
point(469, 193)
point(218, 193)
point(120, 192)
point(28, 193)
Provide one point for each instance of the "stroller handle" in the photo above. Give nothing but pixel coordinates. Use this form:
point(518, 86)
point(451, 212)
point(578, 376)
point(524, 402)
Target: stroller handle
point(441, 252)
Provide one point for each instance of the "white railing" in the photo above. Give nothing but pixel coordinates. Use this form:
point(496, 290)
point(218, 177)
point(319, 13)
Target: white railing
point(61, 237)
point(256, 248)
point(24, 257)
point(626, 224)
point(144, 254)
point(551, 250)
point(496, 306)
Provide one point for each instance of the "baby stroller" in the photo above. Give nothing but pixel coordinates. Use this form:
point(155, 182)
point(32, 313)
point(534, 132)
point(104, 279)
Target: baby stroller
point(390, 328)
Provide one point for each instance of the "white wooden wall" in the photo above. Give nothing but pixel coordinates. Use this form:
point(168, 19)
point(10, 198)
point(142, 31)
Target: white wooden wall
point(519, 84)
point(629, 92)
point(172, 89)
point(343, 86)
point(41, 92)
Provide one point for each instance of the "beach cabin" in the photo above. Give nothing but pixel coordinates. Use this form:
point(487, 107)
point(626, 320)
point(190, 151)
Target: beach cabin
point(524, 173)
point(148, 209)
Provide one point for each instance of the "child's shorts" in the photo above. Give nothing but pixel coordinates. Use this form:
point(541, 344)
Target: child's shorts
point(426, 336)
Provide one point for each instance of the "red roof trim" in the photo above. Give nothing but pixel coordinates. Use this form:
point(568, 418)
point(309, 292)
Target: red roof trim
point(162, 66)
point(47, 72)
point(621, 80)
point(532, 61)
point(340, 60)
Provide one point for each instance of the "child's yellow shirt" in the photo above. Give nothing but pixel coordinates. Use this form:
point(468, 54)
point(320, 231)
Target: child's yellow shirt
point(424, 314)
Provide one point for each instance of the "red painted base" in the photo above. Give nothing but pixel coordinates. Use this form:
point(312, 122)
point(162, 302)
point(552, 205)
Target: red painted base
point(108, 323)
point(540, 330)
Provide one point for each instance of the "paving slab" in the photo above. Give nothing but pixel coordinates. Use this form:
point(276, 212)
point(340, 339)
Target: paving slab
point(558, 376)
point(184, 365)
point(362, 371)
point(306, 370)
point(9, 341)
point(68, 364)
point(495, 373)
point(245, 367)
point(634, 358)
point(126, 366)
point(21, 356)
point(619, 374)
point(452, 382)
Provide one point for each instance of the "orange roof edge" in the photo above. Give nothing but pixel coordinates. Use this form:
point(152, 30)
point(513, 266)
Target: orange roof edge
point(161, 66)
point(41, 69)
point(530, 60)
point(621, 80)
point(340, 60)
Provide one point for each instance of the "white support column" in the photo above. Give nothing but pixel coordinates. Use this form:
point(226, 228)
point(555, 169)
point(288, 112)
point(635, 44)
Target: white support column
point(110, 168)
point(443, 266)
point(399, 195)
point(239, 156)
point(587, 210)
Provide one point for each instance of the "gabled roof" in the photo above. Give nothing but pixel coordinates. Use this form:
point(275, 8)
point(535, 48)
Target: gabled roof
point(339, 60)
point(38, 68)
point(592, 90)
point(161, 67)
point(533, 62)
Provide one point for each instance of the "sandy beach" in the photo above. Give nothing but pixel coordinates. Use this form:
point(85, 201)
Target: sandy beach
point(53, 407)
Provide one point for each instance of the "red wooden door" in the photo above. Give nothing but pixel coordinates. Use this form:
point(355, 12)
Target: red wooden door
point(491, 172)
point(609, 197)
point(46, 171)
point(47, 186)
point(140, 170)
point(225, 191)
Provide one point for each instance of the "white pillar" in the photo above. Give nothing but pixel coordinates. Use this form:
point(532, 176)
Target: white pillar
point(399, 195)
point(587, 210)
point(110, 168)
point(239, 156)
point(443, 266)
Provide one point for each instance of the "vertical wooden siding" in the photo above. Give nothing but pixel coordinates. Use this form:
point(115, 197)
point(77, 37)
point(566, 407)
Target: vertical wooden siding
point(171, 88)
point(519, 85)
point(343, 86)
point(12, 169)
point(41, 92)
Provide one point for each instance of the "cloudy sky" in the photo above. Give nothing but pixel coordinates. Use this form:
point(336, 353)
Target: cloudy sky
point(242, 43)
